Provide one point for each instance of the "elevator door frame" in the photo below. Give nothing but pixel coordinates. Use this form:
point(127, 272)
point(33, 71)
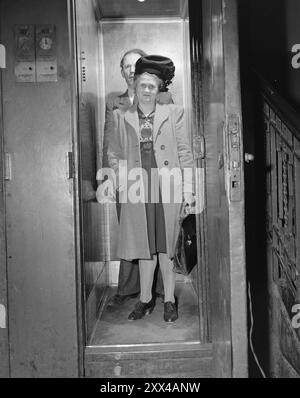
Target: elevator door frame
point(224, 209)
point(229, 334)
point(4, 342)
point(238, 281)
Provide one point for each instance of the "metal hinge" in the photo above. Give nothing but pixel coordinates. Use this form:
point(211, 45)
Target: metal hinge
point(2, 317)
point(7, 166)
point(2, 57)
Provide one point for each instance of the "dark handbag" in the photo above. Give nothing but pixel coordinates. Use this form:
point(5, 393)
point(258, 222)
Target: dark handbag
point(185, 257)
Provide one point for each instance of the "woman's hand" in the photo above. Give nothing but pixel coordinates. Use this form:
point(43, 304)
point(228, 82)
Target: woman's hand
point(106, 192)
point(88, 191)
point(189, 198)
point(189, 201)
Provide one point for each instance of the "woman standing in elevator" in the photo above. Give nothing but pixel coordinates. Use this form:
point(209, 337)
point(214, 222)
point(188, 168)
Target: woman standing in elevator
point(152, 140)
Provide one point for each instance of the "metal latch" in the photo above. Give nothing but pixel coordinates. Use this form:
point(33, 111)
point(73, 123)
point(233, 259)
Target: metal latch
point(234, 151)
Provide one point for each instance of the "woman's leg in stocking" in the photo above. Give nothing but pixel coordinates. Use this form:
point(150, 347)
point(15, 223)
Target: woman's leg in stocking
point(147, 268)
point(168, 276)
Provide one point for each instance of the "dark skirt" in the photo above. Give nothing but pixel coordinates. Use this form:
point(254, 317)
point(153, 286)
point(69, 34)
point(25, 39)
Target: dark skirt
point(154, 211)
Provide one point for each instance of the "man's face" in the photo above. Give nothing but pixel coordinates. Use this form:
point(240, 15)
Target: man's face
point(129, 68)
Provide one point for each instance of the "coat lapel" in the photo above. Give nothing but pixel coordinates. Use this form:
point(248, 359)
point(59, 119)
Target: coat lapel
point(131, 116)
point(161, 114)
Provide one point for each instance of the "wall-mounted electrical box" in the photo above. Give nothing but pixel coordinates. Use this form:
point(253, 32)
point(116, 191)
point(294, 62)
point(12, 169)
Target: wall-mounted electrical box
point(35, 53)
point(25, 53)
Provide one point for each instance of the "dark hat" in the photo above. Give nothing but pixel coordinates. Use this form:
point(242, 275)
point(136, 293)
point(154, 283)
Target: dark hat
point(158, 65)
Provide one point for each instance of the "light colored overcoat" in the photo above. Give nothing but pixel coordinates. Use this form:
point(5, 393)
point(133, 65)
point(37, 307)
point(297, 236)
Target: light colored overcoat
point(172, 150)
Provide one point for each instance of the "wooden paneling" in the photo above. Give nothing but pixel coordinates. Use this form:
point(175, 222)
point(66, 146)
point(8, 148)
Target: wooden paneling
point(282, 136)
point(289, 342)
point(156, 361)
point(95, 218)
point(225, 212)
point(236, 202)
point(284, 216)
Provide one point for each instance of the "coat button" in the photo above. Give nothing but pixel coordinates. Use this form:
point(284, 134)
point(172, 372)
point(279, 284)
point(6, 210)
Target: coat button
point(166, 163)
point(163, 147)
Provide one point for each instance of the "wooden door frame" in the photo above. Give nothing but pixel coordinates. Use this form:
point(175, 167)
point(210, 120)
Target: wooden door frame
point(236, 209)
point(234, 326)
point(225, 215)
point(4, 332)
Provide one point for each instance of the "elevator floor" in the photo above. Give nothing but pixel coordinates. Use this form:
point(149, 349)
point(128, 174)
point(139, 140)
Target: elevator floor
point(113, 328)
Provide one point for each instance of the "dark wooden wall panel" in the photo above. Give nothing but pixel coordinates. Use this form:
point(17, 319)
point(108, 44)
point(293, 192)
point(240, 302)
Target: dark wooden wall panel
point(282, 133)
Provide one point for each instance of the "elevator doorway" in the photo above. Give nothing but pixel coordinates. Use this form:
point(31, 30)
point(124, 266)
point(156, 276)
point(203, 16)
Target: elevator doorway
point(208, 339)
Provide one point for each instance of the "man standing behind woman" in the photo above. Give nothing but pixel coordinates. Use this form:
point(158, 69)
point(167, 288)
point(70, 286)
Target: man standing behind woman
point(151, 136)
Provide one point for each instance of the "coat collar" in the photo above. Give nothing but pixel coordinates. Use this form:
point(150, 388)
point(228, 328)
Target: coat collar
point(131, 116)
point(161, 114)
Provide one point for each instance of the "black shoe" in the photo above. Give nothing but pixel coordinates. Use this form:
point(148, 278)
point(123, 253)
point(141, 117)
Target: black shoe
point(170, 312)
point(141, 309)
point(119, 299)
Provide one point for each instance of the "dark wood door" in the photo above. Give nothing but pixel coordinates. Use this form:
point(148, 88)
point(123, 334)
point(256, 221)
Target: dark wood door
point(217, 122)
point(280, 138)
